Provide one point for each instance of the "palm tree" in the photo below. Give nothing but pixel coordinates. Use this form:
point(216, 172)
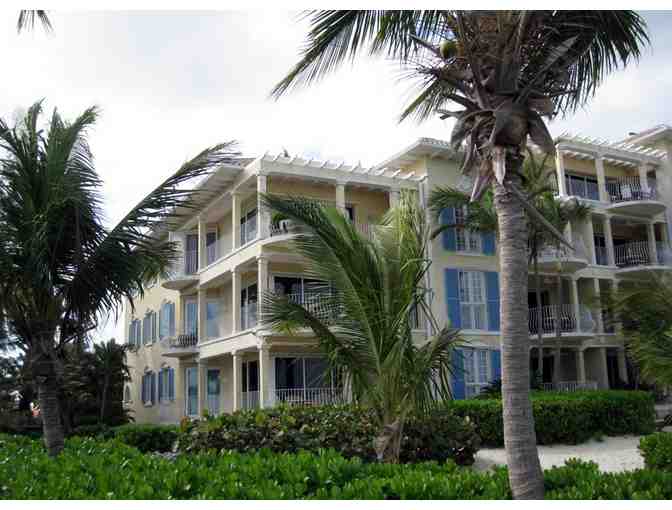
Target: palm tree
point(61, 269)
point(372, 300)
point(538, 189)
point(110, 361)
point(28, 18)
point(505, 70)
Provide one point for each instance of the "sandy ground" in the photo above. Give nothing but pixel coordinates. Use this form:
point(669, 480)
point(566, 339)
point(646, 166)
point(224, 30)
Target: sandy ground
point(613, 454)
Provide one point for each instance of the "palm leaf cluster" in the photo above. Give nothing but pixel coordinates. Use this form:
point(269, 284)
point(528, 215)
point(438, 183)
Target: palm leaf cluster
point(61, 269)
point(373, 289)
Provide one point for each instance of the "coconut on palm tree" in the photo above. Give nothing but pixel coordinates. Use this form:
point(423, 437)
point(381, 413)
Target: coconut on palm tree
point(505, 71)
point(61, 270)
point(372, 298)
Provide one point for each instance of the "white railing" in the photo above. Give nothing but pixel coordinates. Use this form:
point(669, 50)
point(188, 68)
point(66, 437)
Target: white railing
point(309, 396)
point(321, 304)
point(636, 253)
point(626, 189)
point(185, 264)
point(181, 341)
point(366, 229)
point(569, 323)
point(570, 386)
point(249, 399)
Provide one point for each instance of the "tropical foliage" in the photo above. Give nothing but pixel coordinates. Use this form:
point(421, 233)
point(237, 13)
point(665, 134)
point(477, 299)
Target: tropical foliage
point(61, 269)
point(374, 294)
point(505, 70)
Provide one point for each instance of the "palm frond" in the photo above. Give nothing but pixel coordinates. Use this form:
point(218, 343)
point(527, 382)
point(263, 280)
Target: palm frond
point(28, 18)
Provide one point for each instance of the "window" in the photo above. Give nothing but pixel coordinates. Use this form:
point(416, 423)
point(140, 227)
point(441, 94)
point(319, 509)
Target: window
point(582, 186)
point(472, 300)
point(300, 373)
point(166, 385)
point(191, 317)
point(477, 370)
point(212, 319)
point(167, 320)
point(134, 333)
point(191, 390)
point(148, 388)
point(149, 328)
point(191, 254)
point(248, 307)
point(248, 227)
point(211, 247)
point(466, 240)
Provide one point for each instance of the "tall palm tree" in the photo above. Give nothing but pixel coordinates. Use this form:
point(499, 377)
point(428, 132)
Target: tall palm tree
point(373, 296)
point(505, 70)
point(538, 189)
point(61, 269)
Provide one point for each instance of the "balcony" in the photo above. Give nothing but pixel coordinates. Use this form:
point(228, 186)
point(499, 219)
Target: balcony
point(635, 258)
point(628, 196)
point(184, 271)
point(570, 324)
point(296, 397)
point(570, 386)
point(179, 346)
point(564, 259)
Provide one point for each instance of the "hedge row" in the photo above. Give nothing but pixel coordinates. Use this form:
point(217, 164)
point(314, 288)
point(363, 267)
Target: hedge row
point(568, 418)
point(93, 469)
point(144, 437)
point(348, 430)
point(657, 450)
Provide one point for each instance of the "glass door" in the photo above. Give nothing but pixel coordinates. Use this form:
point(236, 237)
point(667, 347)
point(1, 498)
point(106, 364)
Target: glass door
point(191, 254)
point(191, 391)
point(214, 388)
point(191, 318)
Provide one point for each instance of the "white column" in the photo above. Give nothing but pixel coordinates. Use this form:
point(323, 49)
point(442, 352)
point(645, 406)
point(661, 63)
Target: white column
point(622, 367)
point(603, 383)
point(575, 302)
point(202, 386)
point(598, 307)
point(340, 196)
point(263, 216)
point(264, 376)
point(609, 240)
point(236, 199)
point(237, 374)
point(592, 258)
point(202, 237)
point(393, 197)
point(580, 366)
point(262, 283)
point(651, 236)
point(560, 172)
point(601, 179)
point(643, 180)
point(235, 300)
point(202, 316)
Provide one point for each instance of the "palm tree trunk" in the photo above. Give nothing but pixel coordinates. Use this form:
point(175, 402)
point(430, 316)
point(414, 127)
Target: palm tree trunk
point(103, 398)
point(525, 475)
point(51, 414)
point(540, 317)
point(387, 444)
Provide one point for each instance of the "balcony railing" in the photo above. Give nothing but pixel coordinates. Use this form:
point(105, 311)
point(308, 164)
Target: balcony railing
point(182, 341)
point(569, 386)
point(309, 396)
point(636, 253)
point(249, 399)
point(186, 264)
point(321, 304)
point(626, 189)
point(569, 322)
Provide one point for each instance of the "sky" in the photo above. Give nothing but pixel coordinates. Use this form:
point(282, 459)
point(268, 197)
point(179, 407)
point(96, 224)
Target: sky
point(172, 83)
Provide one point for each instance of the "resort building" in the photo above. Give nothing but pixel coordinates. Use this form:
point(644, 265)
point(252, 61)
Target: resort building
point(201, 347)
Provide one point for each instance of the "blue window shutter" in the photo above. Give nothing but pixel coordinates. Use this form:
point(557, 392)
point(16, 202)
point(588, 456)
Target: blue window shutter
point(457, 379)
point(152, 397)
point(142, 389)
point(171, 384)
point(453, 297)
point(161, 376)
point(496, 363)
point(488, 242)
point(492, 294)
point(447, 218)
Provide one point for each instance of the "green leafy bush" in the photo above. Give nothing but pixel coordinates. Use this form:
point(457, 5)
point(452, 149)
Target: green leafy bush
point(346, 429)
point(94, 469)
point(657, 450)
point(147, 438)
point(568, 418)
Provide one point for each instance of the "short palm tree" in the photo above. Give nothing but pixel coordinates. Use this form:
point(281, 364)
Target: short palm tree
point(110, 362)
point(504, 70)
point(61, 269)
point(374, 293)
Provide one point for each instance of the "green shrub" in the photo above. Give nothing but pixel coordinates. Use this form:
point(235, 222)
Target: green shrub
point(346, 429)
point(568, 418)
point(147, 438)
point(657, 450)
point(94, 469)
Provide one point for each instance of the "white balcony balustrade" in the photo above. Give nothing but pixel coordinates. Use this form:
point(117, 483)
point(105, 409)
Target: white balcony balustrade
point(626, 189)
point(320, 304)
point(570, 386)
point(309, 396)
point(636, 253)
point(569, 322)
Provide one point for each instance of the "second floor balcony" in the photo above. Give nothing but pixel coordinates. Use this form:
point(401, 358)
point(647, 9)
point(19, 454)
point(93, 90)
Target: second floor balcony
point(641, 256)
point(563, 318)
point(631, 195)
point(563, 259)
point(183, 271)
